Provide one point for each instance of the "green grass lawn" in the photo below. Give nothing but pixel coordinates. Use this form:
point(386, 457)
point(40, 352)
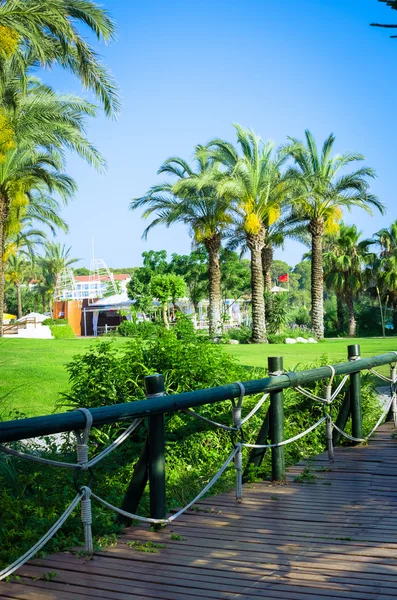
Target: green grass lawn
point(295, 354)
point(32, 372)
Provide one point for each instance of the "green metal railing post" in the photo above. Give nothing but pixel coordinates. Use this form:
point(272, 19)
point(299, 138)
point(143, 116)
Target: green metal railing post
point(275, 365)
point(353, 353)
point(154, 387)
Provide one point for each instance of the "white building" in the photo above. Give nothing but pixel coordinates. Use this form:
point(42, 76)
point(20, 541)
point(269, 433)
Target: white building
point(87, 287)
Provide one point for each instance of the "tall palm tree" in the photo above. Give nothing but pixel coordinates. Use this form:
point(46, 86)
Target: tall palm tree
point(18, 271)
point(253, 183)
point(320, 189)
point(49, 31)
point(192, 199)
point(386, 267)
point(45, 125)
point(345, 266)
point(56, 258)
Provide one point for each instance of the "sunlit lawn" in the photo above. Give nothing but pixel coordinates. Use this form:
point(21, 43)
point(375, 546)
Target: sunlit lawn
point(32, 372)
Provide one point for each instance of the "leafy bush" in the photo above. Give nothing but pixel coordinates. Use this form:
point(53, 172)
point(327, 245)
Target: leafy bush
point(184, 328)
point(278, 312)
point(55, 322)
point(61, 332)
point(243, 334)
point(292, 332)
point(143, 331)
point(301, 317)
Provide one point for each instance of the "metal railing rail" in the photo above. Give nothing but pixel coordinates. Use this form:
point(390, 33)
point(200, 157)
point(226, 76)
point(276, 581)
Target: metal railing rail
point(70, 421)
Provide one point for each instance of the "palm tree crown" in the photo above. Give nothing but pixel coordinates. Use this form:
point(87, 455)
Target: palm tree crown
point(48, 32)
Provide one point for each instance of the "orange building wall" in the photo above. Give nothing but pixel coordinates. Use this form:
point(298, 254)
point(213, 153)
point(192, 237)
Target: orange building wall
point(71, 311)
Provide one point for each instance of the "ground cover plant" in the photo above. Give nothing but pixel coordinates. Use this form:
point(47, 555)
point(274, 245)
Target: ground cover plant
point(110, 372)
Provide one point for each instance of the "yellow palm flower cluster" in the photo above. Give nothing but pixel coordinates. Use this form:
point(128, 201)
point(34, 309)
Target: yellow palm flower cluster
point(7, 135)
point(9, 40)
point(331, 223)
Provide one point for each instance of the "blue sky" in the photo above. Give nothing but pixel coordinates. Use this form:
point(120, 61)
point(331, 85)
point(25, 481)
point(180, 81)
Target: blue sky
point(188, 70)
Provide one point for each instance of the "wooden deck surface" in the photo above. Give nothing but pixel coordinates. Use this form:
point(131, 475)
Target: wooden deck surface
point(334, 536)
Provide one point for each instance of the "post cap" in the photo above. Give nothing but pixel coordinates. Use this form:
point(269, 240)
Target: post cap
point(353, 351)
point(154, 385)
point(275, 364)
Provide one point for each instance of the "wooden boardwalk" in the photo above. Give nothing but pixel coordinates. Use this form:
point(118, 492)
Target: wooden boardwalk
point(333, 536)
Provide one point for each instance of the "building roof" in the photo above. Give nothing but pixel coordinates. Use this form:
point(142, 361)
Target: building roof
point(116, 277)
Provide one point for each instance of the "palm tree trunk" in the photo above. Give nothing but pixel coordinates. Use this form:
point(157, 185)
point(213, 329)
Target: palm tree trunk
point(267, 261)
point(339, 313)
point(213, 246)
point(351, 316)
point(19, 300)
point(255, 243)
point(316, 228)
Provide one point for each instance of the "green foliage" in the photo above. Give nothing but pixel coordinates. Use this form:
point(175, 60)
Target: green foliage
point(242, 334)
point(278, 315)
point(62, 332)
point(167, 287)
point(300, 316)
point(235, 275)
point(194, 270)
point(144, 330)
point(55, 322)
point(184, 328)
point(291, 332)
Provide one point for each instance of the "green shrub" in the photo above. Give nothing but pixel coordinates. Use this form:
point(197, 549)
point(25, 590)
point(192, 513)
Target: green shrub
point(184, 328)
point(292, 332)
point(55, 322)
point(243, 334)
point(61, 332)
point(143, 331)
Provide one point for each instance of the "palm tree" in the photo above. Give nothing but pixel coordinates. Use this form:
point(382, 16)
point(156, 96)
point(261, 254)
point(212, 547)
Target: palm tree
point(254, 185)
point(32, 170)
point(320, 190)
point(49, 31)
point(192, 200)
point(386, 267)
point(18, 271)
point(345, 266)
point(56, 258)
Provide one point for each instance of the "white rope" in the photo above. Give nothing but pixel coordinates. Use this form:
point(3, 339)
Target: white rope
point(68, 465)
point(316, 398)
point(290, 440)
point(383, 415)
point(339, 388)
point(180, 512)
point(86, 518)
point(227, 427)
point(197, 416)
point(50, 533)
point(82, 439)
point(381, 376)
point(255, 409)
point(134, 425)
point(38, 459)
point(328, 433)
